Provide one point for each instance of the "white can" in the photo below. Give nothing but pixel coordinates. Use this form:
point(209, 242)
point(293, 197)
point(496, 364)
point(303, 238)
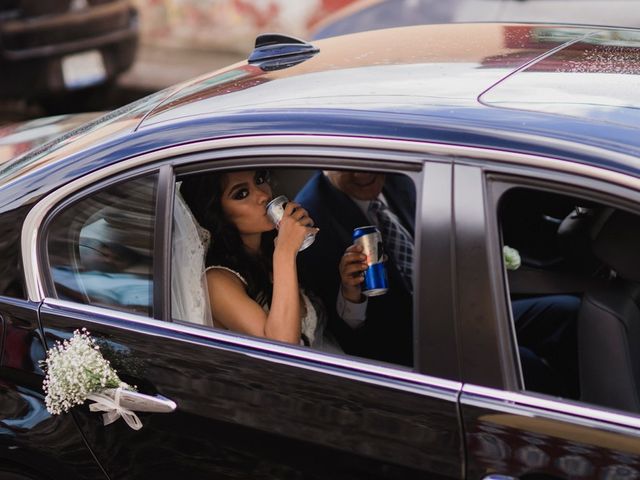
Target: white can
point(275, 212)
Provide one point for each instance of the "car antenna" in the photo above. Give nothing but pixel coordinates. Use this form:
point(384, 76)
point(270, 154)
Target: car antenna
point(275, 51)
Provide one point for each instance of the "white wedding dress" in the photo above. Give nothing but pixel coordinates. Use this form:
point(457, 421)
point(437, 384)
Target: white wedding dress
point(189, 296)
point(312, 322)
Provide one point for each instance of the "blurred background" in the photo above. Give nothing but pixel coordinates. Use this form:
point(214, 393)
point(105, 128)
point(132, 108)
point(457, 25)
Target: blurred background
point(67, 56)
point(44, 45)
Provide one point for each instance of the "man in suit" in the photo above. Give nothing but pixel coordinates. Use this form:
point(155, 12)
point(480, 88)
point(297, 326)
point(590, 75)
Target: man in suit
point(338, 202)
point(381, 327)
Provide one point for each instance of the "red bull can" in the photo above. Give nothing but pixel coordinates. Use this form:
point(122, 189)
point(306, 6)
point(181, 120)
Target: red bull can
point(375, 276)
point(275, 211)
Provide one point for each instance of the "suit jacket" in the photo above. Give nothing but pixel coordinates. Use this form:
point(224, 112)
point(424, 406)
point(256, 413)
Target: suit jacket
point(387, 333)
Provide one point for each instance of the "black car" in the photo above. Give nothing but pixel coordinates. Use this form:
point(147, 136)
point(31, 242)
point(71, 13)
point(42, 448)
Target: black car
point(513, 135)
point(49, 49)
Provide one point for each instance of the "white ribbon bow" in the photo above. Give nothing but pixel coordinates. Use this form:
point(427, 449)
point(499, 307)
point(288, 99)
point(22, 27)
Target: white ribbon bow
point(112, 409)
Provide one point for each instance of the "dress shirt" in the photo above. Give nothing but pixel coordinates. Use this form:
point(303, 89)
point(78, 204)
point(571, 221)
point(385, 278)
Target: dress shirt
point(354, 314)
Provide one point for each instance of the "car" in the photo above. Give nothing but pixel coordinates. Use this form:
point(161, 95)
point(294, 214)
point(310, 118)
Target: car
point(363, 15)
point(53, 51)
point(514, 135)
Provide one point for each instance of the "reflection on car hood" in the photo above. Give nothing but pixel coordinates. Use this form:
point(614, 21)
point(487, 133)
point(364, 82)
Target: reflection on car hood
point(594, 78)
point(102, 128)
point(397, 68)
point(19, 138)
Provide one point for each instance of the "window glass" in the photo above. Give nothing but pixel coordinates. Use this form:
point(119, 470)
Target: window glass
point(573, 271)
point(221, 226)
point(101, 247)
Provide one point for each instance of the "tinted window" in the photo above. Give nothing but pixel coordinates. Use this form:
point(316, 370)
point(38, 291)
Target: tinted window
point(218, 214)
point(574, 293)
point(100, 248)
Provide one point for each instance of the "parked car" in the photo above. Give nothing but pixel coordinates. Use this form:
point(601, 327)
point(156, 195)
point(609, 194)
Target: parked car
point(363, 15)
point(52, 49)
point(518, 135)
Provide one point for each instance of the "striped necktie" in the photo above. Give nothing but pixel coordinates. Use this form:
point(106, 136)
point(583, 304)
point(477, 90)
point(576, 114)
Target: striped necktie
point(396, 238)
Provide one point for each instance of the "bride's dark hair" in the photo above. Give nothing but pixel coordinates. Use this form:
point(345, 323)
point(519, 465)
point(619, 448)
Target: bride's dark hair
point(203, 194)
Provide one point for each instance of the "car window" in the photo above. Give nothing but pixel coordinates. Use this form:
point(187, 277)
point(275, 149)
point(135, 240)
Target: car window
point(213, 227)
point(100, 248)
point(573, 277)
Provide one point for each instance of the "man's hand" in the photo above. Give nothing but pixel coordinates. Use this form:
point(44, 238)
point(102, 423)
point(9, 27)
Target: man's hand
point(352, 266)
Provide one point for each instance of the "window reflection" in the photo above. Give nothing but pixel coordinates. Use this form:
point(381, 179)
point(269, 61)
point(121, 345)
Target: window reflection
point(100, 249)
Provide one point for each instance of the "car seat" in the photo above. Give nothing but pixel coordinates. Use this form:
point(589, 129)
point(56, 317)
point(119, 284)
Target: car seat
point(609, 316)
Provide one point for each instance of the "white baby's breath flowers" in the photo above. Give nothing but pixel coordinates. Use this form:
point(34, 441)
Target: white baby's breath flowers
point(75, 369)
point(511, 258)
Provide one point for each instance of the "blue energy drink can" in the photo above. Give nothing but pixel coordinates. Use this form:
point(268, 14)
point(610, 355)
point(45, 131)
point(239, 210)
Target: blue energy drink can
point(375, 276)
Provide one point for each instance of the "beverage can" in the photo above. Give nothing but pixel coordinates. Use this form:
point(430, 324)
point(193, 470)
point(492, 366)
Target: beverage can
point(275, 212)
point(375, 276)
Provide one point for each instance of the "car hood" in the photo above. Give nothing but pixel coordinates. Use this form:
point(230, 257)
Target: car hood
point(18, 138)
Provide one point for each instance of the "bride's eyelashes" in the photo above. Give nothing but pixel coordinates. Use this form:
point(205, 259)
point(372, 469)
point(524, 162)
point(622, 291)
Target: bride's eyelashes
point(240, 193)
point(262, 176)
point(242, 190)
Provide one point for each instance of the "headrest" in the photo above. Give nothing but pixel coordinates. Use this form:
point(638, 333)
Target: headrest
point(616, 241)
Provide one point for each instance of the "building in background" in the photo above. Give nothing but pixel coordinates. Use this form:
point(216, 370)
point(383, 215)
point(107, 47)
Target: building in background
point(228, 25)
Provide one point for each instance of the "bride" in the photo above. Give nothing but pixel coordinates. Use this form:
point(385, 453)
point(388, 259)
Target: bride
point(251, 273)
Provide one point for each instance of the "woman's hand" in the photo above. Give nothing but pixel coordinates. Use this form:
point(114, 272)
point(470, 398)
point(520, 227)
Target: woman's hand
point(294, 226)
point(283, 320)
point(352, 266)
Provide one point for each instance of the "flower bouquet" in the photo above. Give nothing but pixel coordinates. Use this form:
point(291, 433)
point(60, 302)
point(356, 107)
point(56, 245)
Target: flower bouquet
point(76, 372)
point(511, 258)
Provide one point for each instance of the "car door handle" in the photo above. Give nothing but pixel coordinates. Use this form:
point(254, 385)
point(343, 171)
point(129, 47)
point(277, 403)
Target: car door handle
point(495, 476)
point(139, 402)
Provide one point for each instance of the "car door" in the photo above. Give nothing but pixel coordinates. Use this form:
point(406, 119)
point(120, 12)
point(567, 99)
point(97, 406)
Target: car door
point(246, 408)
point(510, 429)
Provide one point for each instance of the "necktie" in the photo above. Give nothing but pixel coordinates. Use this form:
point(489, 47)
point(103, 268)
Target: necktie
point(397, 240)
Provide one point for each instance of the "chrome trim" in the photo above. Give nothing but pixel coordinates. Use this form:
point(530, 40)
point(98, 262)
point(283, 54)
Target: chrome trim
point(140, 402)
point(534, 405)
point(299, 357)
point(35, 217)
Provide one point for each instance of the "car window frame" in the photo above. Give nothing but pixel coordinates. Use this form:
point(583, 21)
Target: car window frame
point(500, 179)
point(370, 160)
point(82, 194)
point(355, 153)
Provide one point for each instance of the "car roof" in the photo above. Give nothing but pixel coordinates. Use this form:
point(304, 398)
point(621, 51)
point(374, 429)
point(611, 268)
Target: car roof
point(551, 90)
point(534, 74)
point(403, 69)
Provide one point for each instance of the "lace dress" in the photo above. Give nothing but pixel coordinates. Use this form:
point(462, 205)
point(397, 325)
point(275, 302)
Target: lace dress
point(312, 323)
point(189, 297)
